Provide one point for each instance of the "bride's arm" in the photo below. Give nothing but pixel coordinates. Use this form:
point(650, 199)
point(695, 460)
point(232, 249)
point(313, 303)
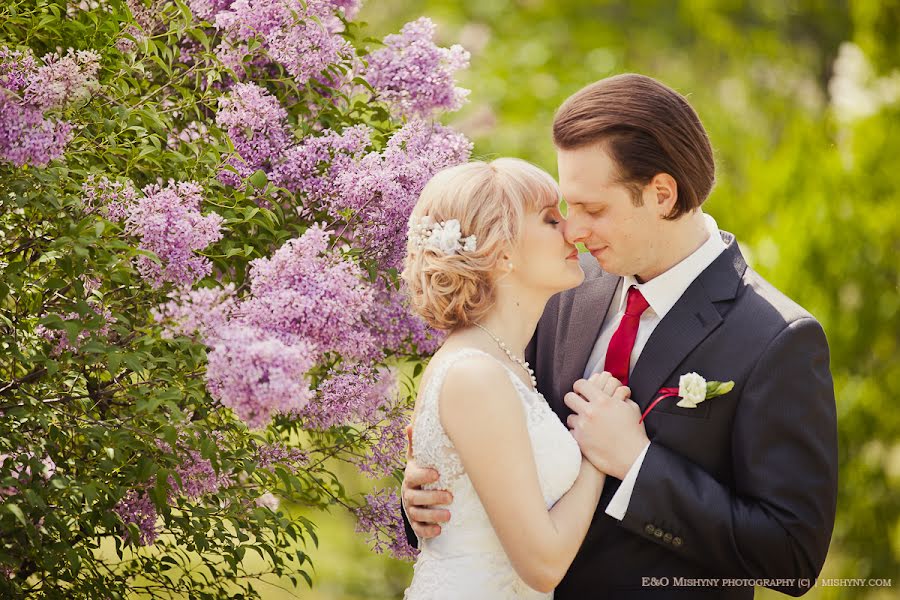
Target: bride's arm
point(483, 415)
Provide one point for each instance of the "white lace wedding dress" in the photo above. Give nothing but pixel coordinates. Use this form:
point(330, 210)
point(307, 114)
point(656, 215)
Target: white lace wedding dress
point(466, 561)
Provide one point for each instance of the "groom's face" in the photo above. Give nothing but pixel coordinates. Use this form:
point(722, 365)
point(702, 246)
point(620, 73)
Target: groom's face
point(602, 216)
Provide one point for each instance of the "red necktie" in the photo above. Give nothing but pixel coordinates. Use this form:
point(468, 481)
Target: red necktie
point(618, 355)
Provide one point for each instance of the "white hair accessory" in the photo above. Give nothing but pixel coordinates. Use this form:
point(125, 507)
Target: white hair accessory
point(444, 237)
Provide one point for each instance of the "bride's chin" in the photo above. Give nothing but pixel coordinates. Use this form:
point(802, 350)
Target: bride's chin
point(579, 275)
point(575, 281)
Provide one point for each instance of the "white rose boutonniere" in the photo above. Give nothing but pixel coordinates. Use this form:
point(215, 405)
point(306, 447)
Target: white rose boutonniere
point(692, 390)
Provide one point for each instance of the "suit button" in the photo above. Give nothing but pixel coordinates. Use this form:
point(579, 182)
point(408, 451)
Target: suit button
point(658, 533)
point(677, 541)
point(667, 538)
point(649, 529)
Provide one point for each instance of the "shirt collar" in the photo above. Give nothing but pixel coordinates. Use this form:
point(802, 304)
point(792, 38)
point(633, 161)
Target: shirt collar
point(663, 291)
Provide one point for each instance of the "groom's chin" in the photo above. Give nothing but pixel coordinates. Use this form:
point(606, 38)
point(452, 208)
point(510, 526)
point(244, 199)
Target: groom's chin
point(608, 266)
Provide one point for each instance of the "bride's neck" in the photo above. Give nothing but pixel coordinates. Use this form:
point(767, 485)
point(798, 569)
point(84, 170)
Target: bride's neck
point(513, 318)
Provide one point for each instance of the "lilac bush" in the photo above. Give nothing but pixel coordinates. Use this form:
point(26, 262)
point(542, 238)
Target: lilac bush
point(202, 215)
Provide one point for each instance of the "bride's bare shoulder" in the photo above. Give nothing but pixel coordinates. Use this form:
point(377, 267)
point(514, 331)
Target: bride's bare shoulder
point(476, 382)
point(480, 367)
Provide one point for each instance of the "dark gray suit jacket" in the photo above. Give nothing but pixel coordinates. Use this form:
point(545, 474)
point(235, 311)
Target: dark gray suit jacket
point(742, 487)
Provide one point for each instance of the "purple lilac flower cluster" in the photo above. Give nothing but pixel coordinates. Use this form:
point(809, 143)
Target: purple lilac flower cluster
point(353, 395)
point(416, 76)
point(90, 284)
point(146, 16)
point(303, 36)
point(386, 450)
point(268, 455)
point(194, 478)
point(380, 518)
point(381, 188)
point(26, 137)
point(400, 330)
point(110, 198)
point(166, 219)
point(378, 189)
point(258, 375)
point(15, 68)
point(138, 509)
point(169, 224)
point(306, 167)
point(256, 124)
point(305, 291)
point(27, 91)
point(208, 9)
point(304, 301)
point(63, 80)
point(201, 311)
point(147, 21)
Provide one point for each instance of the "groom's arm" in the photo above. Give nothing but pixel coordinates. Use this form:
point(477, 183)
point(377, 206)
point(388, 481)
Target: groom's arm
point(777, 520)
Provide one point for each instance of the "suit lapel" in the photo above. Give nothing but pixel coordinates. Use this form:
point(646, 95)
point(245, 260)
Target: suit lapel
point(586, 310)
point(689, 322)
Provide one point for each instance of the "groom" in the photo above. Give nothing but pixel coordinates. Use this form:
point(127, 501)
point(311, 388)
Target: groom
point(704, 501)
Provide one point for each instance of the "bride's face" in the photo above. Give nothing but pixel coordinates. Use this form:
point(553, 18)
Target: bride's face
point(544, 259)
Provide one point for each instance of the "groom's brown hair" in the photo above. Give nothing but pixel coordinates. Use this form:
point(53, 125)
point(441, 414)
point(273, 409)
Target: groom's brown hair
point(647, 128)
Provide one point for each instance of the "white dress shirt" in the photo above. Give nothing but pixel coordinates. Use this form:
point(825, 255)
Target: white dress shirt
point(661, 293)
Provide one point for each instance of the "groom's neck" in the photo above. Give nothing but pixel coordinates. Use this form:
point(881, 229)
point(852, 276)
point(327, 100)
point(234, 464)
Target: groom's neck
point(678, 240)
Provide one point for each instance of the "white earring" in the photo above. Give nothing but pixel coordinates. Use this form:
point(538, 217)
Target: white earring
point(510, 265)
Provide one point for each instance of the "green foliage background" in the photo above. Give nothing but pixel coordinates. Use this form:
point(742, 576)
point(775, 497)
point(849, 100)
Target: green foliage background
point(812, 199)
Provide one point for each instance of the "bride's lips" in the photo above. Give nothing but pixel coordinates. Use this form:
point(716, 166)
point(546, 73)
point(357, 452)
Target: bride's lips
point(573, 256)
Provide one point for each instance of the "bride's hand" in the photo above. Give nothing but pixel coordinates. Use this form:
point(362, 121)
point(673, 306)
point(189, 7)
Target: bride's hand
point(417, 502)
point(606, 423)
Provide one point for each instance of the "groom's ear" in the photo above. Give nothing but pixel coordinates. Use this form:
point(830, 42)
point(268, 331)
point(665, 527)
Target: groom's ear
point(663, 190)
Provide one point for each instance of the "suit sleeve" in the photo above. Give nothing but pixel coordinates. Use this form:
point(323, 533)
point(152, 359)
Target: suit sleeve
point(411, 537)
point(777, 519)
point(531, 349)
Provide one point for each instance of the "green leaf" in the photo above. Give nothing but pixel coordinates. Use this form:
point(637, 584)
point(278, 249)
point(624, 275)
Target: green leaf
point(718, 388)
point(113, 361)
point(17, 512)
point(259, 179)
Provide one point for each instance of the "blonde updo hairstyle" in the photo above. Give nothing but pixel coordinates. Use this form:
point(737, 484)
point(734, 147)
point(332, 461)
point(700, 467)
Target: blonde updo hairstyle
point(490, 200)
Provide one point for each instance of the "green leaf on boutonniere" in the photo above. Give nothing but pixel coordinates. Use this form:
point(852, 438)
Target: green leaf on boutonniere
point(718, 388)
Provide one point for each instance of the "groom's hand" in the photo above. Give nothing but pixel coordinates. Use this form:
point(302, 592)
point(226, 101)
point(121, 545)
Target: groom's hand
point(606, 423)
point(417, 502)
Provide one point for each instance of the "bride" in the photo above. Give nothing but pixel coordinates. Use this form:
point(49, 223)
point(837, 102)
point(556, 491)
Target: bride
point(485, 254)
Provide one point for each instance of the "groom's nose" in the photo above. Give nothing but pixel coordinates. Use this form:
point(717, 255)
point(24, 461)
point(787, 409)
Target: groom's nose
point(575, 229)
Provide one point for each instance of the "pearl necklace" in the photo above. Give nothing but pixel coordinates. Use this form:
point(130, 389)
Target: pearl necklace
point(522, 363)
